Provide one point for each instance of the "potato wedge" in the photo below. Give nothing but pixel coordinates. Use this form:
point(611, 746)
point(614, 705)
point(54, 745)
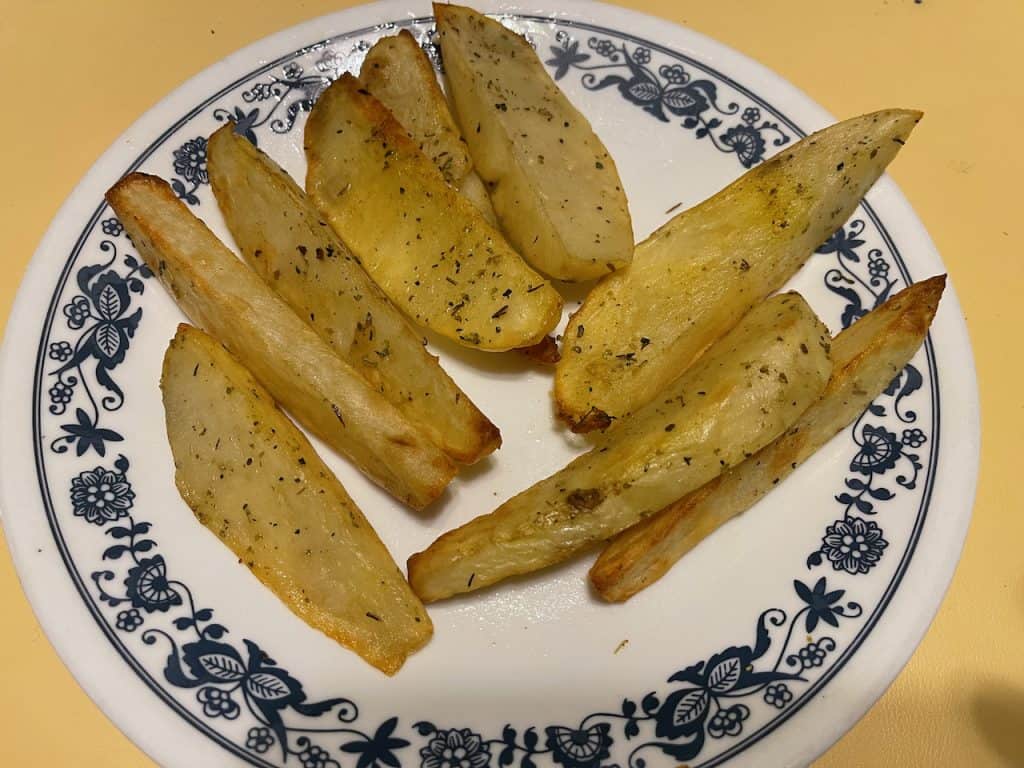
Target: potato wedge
point(424, 244)
point(697, 275)
point(284, 240)
point(399, 74)
point(741, 395)
point(554, 186)
point(228, 300)
point(253, 479)
point(865, 359)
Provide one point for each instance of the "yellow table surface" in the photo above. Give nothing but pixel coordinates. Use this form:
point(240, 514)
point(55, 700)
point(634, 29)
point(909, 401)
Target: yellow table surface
point(77, 74)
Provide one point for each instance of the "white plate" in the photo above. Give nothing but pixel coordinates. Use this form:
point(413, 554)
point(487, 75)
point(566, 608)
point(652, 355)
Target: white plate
point(533, 673)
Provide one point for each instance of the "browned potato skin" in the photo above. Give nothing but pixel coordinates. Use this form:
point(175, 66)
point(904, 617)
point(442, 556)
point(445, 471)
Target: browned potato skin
point(252, 478)
point(398, 73)
point(284, 240)
point(545, 352)
point(422, 242)
point(743, 393)
point(697, 275)
point(220, 294)
point(552, 182)
point(865, 356)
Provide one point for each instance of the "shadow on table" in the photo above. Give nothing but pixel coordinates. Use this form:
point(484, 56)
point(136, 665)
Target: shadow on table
point(999, 717)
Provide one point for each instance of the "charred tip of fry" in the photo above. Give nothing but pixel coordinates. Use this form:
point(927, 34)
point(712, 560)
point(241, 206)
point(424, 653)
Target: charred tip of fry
point(918, 302)
point(593, 420)
point(544, 351)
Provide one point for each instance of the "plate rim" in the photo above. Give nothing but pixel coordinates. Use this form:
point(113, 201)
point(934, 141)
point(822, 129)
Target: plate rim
point(578, 10)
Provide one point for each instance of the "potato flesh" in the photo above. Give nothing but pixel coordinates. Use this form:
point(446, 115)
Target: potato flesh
point(866, 357)
point(749, 387)
point(425, 245)
point(284, 240)
point(252, 478)
point(228, 300)
point(697, 275)
point(398, 73)
point(554, 186)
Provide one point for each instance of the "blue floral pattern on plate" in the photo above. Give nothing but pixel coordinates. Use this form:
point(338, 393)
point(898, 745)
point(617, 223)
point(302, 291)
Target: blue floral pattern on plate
point(704, 710)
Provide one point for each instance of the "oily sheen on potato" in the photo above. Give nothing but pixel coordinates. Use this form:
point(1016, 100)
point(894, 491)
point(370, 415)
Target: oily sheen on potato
point(697, 275)
point(425, 245)
point(865, 359)
point(553, 184)
point(221, 295)
point(749, 387)
point(283, 239)
point(252, 478)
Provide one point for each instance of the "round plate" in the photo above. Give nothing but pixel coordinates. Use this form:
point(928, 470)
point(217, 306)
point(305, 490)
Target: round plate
point(759, 648)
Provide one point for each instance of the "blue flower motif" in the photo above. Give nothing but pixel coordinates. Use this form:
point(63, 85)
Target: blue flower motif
point(244, 122)
point(112, 227)
point(260, 92)
point(60, 393)
point(293, 71)
point(101, 496)
point(601, 47)
point(642, 55)
point(853, 545)
point(844, 242)
point(579, 747)
point(316, 757)
point(747, 142)
point(674, 74)
point(259, 740)
point(728, 722)
point(77, 312)
point(878, 268)
point(330, 63)
point(751, 115)
point(913, 438)
point(879, 451)
point(822, 605)
point(217, 703)
point(379, 748)
point(778, 695)
point(61, 351)
point(564, 57)
point(457, 748)
point(147, 586)
point(85, 434)
point(811, 655)
point(129, 621)
point(190, 161)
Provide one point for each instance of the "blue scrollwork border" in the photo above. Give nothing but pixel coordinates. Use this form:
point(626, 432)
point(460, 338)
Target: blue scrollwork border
point(705, 701)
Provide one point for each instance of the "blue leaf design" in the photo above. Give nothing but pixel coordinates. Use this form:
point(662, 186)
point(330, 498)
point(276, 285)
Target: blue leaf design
point(266, 686)
point(690, 707)
point(108, 303)
point(643, 91)
point(724, 676)
point(114, 552)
